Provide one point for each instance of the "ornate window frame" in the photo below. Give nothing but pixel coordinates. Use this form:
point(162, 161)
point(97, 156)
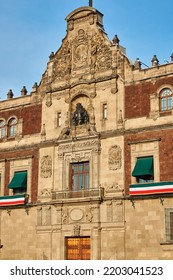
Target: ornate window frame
point(155, 111)
point(12, 127)
point(169, 93)
point(79, 151)
point(3, 128)
point(145, 148)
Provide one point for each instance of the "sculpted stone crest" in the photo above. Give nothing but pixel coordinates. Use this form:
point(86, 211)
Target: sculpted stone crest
point(80, 54)
point(115, 157)
point(46, 167)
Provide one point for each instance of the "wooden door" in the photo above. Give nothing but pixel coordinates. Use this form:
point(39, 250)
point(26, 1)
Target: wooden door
point(78, 248)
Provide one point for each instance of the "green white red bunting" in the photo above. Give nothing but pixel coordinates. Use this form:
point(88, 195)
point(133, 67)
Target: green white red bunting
point(153, 188)
point(12, 200)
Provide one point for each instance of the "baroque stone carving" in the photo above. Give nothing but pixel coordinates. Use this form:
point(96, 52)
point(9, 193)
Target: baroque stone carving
point(89, 214)
point(80, 116)
point(76, 230)
point(45, 193)
point(112, 188)
point(71, 25)
point(62, 63)
point(48, 100)
point(82, 145)
point(46, 167)
point(100, 53)
point(115, 157)
point(65, 215)
point(80, 53)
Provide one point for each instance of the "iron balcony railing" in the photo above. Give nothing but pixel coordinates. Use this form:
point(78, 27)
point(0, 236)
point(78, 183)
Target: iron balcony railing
point(68, 194)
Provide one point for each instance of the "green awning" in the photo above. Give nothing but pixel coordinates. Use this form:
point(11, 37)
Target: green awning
point(19, 180)
point(143, 167)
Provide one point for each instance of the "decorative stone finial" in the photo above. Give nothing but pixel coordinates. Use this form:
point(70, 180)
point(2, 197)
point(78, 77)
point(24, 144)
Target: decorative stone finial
point(171, 57)
point(10, 94)
point(24, 91)
point(116, 40)
point(155, 61)
point(35, 87)
point(51, 56)
point(137, 64)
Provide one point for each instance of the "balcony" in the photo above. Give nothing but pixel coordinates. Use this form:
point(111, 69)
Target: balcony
point(151, 188)
point(89, 193)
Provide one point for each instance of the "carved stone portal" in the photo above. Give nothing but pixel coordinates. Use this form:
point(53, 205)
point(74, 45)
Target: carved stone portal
point(46, 167)
point(115, 157)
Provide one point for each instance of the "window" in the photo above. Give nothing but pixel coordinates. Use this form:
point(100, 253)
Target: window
point(2, 129)
point(105, 111)
point(169, 224)
point(19, 182)
point(79, 176)
point(12, 127)
point(166, 99)
point(59, 119)
point(144, 170)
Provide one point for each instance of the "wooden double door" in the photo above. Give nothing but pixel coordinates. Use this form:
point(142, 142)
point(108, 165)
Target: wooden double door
point(78, 248)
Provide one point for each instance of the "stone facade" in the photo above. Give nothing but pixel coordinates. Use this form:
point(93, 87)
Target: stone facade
point(93, 113)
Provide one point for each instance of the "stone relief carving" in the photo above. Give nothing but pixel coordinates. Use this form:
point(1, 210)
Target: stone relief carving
point(62, 63)
point(91, 19)
point(45, 193)
point(76, 230)
point(71, 25)
point(115, 157)
point(78, 146)
point(65, 215)
point(81, 119)
point(100, 53)
point(89, 214)
point(112, 188)
point(46, 167)
point(79, 156)
point(80, 116)
point(80, 50)
point(48, 100)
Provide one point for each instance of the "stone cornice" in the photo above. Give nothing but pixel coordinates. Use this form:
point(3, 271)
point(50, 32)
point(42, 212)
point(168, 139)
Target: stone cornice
point(87, 82)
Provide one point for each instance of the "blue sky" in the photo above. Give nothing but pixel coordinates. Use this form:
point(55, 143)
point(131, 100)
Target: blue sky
point(31, 29)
